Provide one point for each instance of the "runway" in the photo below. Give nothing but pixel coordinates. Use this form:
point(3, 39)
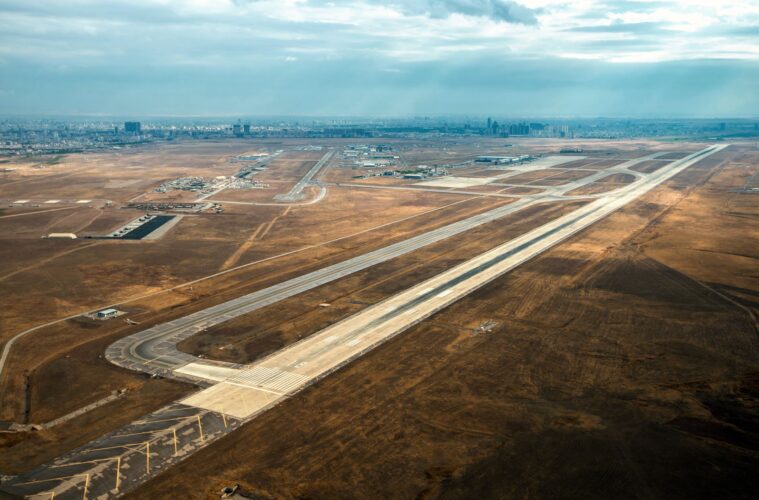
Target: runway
point(263, 384)
point(154, 350)
point(236, 394)
point(295, 193)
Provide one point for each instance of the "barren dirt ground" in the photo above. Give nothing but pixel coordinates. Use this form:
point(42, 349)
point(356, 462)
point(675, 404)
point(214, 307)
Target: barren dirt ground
point(611, 371)
point(255, 335)
point(52, 278)
point(622, 363)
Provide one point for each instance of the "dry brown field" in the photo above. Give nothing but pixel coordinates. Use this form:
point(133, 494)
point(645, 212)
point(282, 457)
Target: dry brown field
point(648, 166)
point(50, 279)
point(620, 366)
point(482, 173)
point(257, 334)
point(563, 177)
point(608, 183)
point(624, 360)
point(528, 177)
point(485, 188)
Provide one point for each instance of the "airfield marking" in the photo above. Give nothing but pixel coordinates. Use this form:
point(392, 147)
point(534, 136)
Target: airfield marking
point(9, 344)
point(388, 318)
point(37, 212)
point(378, 323)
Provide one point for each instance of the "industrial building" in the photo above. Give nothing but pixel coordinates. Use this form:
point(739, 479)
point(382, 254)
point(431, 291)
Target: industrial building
point(495, 159)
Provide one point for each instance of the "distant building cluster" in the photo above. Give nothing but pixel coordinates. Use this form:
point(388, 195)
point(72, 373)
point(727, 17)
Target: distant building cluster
point(368, 156)
point(208, 185)
point(534, 129)
point(502, 160)
point(47, 136)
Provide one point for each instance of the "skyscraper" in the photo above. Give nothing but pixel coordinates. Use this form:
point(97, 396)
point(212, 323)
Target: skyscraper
point(132, 127)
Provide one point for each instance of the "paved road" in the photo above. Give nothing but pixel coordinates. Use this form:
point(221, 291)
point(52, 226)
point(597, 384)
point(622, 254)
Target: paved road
point(154, 350)
point(239, 394)
point(257, 387)
point(295, 193)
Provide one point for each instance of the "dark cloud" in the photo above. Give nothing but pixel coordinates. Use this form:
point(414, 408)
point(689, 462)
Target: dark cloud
point(473, 85)
point(69, 56)
point(497, 10)
point(636, 28)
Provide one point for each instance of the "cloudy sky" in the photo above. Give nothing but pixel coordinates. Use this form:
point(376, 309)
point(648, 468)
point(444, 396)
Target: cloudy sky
point(372, 57)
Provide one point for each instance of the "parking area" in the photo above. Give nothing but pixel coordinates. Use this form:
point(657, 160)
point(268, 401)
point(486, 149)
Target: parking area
point(126, 457)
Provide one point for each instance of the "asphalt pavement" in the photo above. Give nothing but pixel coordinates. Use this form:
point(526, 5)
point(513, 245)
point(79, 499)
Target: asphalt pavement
point(125, 458)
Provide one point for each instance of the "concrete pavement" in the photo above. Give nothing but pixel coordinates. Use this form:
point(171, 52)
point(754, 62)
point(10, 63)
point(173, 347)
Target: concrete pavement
point(239, 393)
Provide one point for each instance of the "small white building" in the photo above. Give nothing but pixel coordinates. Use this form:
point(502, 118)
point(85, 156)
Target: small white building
point(107, 313)
point(70, 236)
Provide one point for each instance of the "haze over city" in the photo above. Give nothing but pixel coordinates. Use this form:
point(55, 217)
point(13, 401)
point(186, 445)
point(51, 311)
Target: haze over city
point(359, 58)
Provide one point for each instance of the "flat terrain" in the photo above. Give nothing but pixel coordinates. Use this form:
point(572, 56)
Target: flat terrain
point(50, 279)
point(606, 372)
point(250, 337)
point(622, 363)
point(608, 183)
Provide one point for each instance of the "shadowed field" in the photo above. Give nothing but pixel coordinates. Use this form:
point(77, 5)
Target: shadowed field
point(605, 372)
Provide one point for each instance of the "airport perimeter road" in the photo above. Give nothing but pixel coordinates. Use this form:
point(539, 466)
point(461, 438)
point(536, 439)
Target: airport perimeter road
point(125, 458)
point(295, 193)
